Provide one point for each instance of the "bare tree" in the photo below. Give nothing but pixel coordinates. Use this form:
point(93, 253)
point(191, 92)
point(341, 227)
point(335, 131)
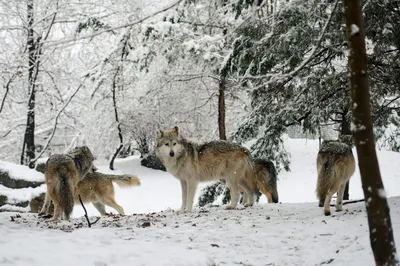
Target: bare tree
point(33, 61)
point(380, 227)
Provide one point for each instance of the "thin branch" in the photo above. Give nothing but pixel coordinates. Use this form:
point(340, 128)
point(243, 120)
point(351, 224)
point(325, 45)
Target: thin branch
point(349, 202)
point(115, 28)
point(55, 125)
point(86, 215)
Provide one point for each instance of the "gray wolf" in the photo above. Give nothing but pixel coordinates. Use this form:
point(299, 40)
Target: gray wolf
point(63, 171)
point(266, 178)
point(192, 163)
point(97, 188)
point(335, 166)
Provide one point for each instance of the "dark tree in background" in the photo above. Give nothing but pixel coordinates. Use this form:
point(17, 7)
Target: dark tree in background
point(380, 227)
point(29, 137)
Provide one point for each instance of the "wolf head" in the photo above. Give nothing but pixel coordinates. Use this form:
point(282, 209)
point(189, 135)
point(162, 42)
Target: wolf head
point(84, 158)
point(169, 143)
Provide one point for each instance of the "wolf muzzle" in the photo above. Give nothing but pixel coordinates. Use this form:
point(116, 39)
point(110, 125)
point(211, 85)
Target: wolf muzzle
point(172, 153)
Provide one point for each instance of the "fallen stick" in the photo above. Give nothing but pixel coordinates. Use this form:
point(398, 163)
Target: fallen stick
point(349, 202)
point(86, 215)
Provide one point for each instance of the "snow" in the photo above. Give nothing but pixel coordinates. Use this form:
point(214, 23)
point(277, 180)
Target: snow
point(21, 172)
point(21, 194)
point(354, 29)
point(294, 232)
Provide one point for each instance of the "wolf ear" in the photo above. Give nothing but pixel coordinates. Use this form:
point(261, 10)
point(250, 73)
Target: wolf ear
point(160, 133)
point(176, 130)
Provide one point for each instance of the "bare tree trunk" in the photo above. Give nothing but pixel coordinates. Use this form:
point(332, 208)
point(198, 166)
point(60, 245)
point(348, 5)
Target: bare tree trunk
point(124, 54)
point(29, 137)
point(221, 108)
point(345, 130)
point(380, 226)
point(121, 140)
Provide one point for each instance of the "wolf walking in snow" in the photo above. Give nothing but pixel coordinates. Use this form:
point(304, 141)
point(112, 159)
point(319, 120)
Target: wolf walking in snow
point(97, 188)
point(193, 163)
point(266, 178)
point(335, 166)
point(63, 171)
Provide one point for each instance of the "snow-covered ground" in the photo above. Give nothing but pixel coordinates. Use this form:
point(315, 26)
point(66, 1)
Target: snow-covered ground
point(294, 232)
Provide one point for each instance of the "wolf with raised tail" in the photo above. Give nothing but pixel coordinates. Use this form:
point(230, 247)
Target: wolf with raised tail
point(193, 163)
point(335, 166)
point(63, 172)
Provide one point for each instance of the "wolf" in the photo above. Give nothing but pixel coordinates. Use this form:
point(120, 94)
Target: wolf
point(63, 171)
point(335, 166)
point(97, 188)
point(266, 178)
point(192, 163)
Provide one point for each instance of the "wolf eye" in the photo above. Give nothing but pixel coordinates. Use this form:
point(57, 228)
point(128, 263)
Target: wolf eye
point(166, 144)
point(174, 144)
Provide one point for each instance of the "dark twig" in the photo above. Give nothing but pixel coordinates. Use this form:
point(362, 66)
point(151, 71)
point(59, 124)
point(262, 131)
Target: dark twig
point(350, 202)
point(86, 215)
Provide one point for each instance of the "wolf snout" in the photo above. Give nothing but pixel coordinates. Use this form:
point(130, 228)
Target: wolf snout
point(171, 153)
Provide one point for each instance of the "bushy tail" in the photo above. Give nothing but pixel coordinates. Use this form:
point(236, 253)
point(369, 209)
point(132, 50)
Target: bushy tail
point(325, 179)
point(66, 195)
point(125, 180)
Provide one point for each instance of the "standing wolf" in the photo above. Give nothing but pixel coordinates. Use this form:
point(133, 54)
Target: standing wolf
point(63, 171)
point(192, 163)
point(335, 166)
point(266, 178)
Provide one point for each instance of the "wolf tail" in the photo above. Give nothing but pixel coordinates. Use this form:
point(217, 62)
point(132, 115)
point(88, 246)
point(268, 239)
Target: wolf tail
point(125, 180)
point(66, 194)
point(326, 178)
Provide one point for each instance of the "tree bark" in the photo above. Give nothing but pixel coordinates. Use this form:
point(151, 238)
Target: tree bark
point(121, 140)
point(380, 227)
point(221, 107)
point(124, 54)
point(29, 137)
point(345, 130)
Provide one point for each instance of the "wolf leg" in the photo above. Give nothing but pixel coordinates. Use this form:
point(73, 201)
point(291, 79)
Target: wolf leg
point(57, 212)
point(328, 199)
point(235, 194)
point(111, 202)
point(191, 190)
point(46, 206)
point(339, 200)
point(248, 195)
point(184, 187)
point(100, 207)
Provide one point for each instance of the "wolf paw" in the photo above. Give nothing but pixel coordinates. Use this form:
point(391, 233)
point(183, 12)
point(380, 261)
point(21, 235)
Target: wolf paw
point(230, 207)
point(339, 209)
point(248, 205)
point(327, 213)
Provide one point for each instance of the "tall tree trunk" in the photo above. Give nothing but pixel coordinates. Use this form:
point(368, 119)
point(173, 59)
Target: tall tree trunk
point(121, 140)
point(345, 130)
point(221, 107)
point(29, 137)
point(118, 71)
point(380, 226)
